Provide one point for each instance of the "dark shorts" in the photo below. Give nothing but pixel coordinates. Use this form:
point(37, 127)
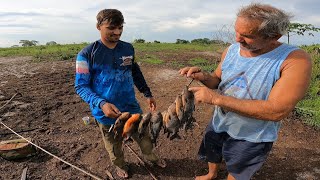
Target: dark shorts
point(243, 158)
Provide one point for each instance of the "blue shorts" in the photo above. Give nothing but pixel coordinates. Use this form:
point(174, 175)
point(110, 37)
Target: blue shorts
point(243, 158)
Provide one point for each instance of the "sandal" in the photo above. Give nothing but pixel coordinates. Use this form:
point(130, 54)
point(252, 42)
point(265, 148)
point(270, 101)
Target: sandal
point(122, 172)
point(161, 163)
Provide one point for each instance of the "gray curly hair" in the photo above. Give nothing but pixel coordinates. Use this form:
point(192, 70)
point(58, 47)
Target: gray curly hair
point(274, 21)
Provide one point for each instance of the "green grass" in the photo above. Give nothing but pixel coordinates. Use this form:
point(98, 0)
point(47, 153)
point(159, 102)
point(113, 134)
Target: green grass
point(309, 107)
point(203, 64)
point(44, 53)
point(172, 47)
point(151, 59)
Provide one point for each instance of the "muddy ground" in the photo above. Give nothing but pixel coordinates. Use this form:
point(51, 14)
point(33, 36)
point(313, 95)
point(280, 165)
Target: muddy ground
point(50, 109)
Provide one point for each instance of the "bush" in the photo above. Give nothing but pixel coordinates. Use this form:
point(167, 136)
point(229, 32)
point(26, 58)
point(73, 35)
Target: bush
point(139, 41)
point(182, 41)
point(51, 43)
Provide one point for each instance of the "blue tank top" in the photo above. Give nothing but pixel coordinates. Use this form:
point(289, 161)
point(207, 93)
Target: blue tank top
point(249, 78)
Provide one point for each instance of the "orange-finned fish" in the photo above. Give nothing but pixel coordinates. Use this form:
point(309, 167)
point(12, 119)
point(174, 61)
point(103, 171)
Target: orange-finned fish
point(119, 124)
point(131, 126)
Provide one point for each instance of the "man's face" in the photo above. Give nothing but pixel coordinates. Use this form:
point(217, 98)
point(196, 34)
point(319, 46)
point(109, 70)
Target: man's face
point(248, 36)
point(109, 32)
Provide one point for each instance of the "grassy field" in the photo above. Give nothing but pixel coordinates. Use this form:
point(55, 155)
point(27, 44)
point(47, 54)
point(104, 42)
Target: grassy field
point(309, 108)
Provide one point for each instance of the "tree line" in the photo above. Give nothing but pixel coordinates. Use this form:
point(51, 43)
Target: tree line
point(294, 29)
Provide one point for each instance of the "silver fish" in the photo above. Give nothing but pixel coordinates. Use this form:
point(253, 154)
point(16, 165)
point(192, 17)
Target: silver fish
point(172, 123)
point(155, 126)
point(188, 108)
point(143, 125)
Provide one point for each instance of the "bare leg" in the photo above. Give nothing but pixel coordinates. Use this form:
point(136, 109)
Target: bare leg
point(230, 177)
point(212, 174)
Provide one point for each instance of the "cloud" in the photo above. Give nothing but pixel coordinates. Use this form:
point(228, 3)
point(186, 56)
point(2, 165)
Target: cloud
point(70, 21)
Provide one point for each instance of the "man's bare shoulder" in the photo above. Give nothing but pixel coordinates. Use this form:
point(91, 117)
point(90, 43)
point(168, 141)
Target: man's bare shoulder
point(297, 58)
point(224, 53)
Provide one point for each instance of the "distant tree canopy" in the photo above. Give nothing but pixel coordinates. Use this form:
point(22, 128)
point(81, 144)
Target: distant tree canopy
point(51, 43)
point(155, 41)
point(301, 29)
point(26, 43)
point(207, 41)
point(182, 41)
point(201, 41)
point(139, 41)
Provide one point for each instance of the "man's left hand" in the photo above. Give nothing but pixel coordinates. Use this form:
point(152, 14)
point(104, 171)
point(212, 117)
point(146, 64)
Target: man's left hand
point(151, 103)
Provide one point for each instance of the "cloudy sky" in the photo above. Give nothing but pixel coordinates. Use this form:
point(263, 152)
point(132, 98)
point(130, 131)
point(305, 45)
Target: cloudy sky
point(69, 21)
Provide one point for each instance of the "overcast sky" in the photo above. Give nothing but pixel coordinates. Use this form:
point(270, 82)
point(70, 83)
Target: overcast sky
point(70, 21)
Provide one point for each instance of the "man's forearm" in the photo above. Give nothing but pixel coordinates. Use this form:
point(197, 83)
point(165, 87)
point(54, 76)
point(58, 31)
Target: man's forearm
point(139, 81)
point(259, 109)
point(88, 95)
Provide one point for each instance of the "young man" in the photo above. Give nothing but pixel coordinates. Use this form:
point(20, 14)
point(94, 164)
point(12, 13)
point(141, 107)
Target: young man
point(105, 75)
point(259, 81)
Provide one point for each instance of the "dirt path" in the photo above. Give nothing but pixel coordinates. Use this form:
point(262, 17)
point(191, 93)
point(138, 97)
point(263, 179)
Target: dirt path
point(49, 104)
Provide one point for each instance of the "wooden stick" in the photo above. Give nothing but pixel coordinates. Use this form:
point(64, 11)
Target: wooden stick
point(24, 174)
point(9, 100)
point(143, 163)
point(190, 83)
point(109, 175)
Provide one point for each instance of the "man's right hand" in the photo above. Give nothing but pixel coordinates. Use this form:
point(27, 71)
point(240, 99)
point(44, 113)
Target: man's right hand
point(110, 110)
point(193, 72)
point(210, 80)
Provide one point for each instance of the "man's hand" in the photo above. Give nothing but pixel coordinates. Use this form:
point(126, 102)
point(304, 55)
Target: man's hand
point(151, 103)
point(205, 95)
point(110, 110)
point(193, 72)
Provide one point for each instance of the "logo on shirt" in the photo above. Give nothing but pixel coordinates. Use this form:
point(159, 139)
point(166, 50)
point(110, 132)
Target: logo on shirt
point(127, 60)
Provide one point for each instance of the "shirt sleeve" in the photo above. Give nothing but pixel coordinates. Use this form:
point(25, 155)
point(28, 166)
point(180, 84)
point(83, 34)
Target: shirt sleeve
point(139, 80)
point(83, 79)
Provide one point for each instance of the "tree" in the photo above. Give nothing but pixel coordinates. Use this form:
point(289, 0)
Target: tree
point(182, 41)
point(201, 41)
point(51, 43)
point(301, 29)
point(139, 41)
point(26, 43)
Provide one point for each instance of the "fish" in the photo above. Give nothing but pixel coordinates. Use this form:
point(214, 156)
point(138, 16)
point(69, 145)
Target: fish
point(188, 108)
point(155, 126)
point(179, 108)
point(144, 124)
point(131, 126)
point(172, 123)
point(119, 124)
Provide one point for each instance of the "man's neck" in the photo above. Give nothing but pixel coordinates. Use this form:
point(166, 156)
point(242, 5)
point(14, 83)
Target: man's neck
point(110, 45)
point(260, 51)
